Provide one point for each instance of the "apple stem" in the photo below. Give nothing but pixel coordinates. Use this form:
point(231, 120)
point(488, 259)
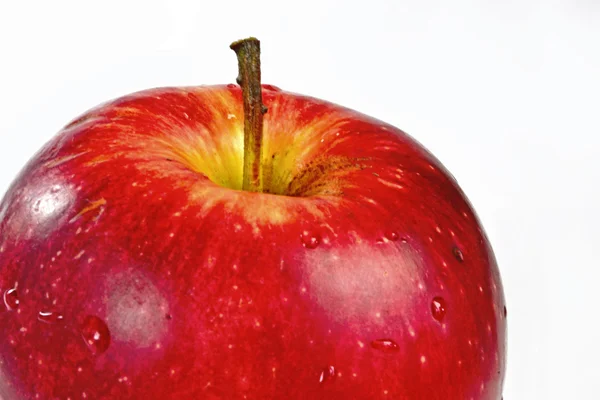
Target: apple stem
point(248, 55)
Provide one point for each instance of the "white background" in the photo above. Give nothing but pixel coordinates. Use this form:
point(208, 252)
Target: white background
point(505, 93)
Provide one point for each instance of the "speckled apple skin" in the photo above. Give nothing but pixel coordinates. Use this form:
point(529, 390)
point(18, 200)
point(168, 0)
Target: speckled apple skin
point(133, 267)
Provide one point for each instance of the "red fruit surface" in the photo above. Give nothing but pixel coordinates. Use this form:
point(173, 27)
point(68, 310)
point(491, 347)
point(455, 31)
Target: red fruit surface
point(133, 267)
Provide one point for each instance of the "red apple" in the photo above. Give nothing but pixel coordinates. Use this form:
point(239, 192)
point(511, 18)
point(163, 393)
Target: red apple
point(132, 266)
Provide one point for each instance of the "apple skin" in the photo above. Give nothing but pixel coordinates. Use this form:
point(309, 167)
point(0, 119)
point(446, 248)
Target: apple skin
point(132, 267)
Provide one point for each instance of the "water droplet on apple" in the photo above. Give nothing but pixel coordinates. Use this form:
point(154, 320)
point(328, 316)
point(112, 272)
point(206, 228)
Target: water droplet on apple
point(96, 335)
point(385, 345)
point(11, 299)
point(50, 317)
point(272, 88)
point(327, 374)
point(438, 308)
point(458, 254)
point(232, 86)
point(391, 235)
point(310, 240)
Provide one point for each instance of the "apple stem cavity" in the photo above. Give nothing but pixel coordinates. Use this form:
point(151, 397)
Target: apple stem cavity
point(248, 55)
